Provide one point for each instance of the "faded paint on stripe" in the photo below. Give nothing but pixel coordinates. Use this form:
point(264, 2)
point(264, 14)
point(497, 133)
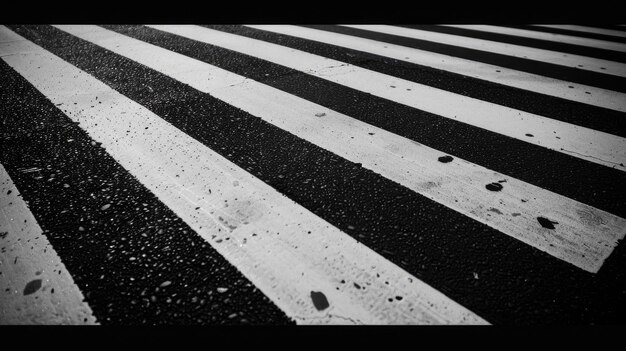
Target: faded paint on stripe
point(294, 253)
point(585, 236)
point(35, 286)
point(501, 75)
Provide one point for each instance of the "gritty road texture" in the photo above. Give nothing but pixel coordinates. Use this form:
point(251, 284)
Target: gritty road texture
point(138, 263)
point(135, 261)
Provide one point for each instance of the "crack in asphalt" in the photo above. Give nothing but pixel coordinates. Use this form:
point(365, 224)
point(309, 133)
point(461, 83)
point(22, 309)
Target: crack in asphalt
point(329, 315)
point(597, 158)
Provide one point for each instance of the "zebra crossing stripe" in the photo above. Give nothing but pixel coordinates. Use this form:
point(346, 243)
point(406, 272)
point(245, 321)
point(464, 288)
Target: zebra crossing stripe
point(530, 53)
point(560, 38)
point(564, 49)
point(548, 69)
point(35, 286)
point(583, 29)
point(134, 260)
point(585, 143)
point(545, 85)
point(573, 112)
point(459, 185)
point(533, 164)
point(493, 275)
point(288, 252)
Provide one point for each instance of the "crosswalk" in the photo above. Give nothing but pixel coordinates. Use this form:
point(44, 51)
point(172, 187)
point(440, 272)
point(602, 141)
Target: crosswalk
point(312, 174)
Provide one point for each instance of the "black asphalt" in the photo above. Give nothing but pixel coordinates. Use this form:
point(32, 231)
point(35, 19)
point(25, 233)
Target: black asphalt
point(516, 158)
point(517, 284)
point(584, 115)
point(570, 74)
point(134, 260)
point(588, 51)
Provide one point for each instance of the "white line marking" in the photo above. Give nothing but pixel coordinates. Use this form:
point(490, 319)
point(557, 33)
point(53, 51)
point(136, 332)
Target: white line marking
point(561, 38)
point(533, 82)
point(611, 32)
point(558, 58)
point(284, 249)
point(26, 256)
point(588, 144)
point(585, 236)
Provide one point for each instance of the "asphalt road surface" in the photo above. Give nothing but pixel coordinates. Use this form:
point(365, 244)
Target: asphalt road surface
point(312, 174)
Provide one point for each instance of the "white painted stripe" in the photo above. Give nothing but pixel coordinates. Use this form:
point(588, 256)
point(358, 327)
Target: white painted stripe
point(585, 236)
point(554, 57)
point(518, 79)
point(561, 38)
point(27, 256)
point(604, 31)
point(284, 249)
point(585, 143)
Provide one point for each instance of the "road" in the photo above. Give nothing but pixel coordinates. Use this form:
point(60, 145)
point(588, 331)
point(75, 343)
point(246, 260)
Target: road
point(312, 175)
